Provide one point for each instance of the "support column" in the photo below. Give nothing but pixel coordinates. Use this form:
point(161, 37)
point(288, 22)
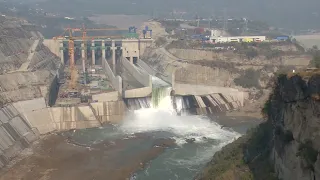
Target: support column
point(103, 47)
point(61, 52)
point(83, 57)
point(113, 48)
point(82, 51)
point(93, 53)
point(131, 59)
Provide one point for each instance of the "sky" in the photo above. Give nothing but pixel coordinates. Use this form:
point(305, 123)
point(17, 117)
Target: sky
point(293, 14)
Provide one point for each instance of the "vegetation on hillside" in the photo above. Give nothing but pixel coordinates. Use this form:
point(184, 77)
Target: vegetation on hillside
point(247, 158)
point(160, 41)
point(170, 25)
point(249, 79)
point(315, 62)
point(308, 154)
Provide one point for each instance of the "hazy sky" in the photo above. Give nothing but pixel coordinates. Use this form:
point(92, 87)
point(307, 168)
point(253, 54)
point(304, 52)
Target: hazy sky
point(301, 14)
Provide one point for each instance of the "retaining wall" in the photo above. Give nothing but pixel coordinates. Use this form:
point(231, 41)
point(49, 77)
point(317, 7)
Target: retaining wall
point(201, 90)
point(209, 104)
point(116, 81)
point(137, 93)
point(201, 75)
point(143, 78)
point(15, 132)
point(110, 96)
point(79, 117)
point(111, 111)
point(21, 123)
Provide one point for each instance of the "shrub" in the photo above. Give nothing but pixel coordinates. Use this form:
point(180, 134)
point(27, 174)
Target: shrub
point(160, 41)
point(251, 53)
point(249, 79)
point(266, 108)
point(273, 54)
point(288, 137)
point(315, 62)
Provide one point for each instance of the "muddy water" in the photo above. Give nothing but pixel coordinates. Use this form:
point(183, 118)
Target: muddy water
point(178, 158)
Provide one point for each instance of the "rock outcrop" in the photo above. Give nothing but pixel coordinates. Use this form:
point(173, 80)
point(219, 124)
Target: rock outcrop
point(294, 110)
point(284, 147)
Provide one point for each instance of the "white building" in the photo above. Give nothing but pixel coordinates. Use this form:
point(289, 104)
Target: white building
point(214, 38)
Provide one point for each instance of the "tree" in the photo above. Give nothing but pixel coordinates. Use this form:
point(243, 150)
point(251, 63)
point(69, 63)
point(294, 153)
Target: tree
point(315, 62)
point(315, 47)
point(251, 53)
point(249, 79)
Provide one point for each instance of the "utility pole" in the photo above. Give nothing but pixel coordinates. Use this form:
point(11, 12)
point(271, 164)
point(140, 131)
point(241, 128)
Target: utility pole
point(198, 20)
point(245, 29)
point(225, 19)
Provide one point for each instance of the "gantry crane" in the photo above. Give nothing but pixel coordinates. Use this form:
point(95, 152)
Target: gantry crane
point(84, 38)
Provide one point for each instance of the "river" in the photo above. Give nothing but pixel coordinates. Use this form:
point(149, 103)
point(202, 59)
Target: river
point(196, 138)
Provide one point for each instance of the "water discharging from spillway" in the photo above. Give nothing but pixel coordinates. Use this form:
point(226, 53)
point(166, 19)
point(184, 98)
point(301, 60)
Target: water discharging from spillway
point(155, 118)
point(160, 119)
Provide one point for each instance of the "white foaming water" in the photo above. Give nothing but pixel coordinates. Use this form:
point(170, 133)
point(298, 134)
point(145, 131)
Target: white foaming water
point(162, 117)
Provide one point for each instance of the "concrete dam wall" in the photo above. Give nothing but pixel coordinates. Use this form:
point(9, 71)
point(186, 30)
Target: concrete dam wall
point(15, 132)
point(166, 97)
point(23, 122)
point(201, 105)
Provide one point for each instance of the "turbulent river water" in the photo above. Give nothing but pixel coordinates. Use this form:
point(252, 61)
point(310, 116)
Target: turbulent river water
point(160, 120)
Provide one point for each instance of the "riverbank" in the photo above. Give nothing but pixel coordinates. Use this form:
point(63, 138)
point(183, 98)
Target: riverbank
point(111, 152)
point(59, 157)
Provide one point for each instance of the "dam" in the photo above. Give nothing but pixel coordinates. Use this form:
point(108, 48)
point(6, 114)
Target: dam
point(113, 97)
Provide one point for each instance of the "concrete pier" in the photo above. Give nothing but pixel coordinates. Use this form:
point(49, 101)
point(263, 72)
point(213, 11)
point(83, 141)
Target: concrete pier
point(93, 53)
point(83, 51)
point(113, 49)
point(61, 53)
point(103, 47)
point(83, 57)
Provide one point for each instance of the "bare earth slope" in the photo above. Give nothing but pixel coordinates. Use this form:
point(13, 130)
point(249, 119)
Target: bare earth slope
point(27, 67)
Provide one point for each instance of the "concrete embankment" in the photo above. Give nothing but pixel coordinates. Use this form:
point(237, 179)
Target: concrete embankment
point(202, 90)
point(209, 104)
point(23, 122)
point(194, 104)
point(15, 132)
point(141, 77)
point(116, 81)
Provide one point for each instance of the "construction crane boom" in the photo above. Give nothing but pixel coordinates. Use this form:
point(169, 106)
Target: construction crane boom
point(97, 29)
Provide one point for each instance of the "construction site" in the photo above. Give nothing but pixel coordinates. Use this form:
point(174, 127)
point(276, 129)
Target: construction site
point(84, 57)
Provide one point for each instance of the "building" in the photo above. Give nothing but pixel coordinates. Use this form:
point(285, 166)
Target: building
point(215, 39)
point(282, 38)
